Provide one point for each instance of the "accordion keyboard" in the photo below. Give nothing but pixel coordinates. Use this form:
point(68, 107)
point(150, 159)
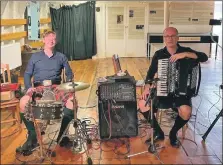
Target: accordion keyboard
point(162, 72)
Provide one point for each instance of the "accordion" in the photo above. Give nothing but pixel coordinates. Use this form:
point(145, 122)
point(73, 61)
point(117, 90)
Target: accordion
point(180, 78)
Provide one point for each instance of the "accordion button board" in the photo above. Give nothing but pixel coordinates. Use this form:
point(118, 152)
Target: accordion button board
point(178, 78)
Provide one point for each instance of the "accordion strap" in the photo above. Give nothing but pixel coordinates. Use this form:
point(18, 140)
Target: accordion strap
point(199, 80)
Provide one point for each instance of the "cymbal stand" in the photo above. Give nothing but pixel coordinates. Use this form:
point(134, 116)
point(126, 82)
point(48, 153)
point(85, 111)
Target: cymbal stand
point(152, 147)
point(80, 135)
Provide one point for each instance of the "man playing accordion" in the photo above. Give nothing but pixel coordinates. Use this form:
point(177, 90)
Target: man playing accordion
point(46, 65)
point(182, 104)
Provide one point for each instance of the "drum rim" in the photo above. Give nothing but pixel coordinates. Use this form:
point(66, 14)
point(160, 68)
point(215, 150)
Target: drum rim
point(45, 101)
point(47, 105)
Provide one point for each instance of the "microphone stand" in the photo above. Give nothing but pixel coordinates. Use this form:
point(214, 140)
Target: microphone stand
point(152, 147)
point(212, 125)
point(214, 122)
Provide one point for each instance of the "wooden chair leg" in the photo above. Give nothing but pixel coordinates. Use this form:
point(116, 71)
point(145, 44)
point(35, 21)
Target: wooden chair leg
point(18, 117)
point(13, 115)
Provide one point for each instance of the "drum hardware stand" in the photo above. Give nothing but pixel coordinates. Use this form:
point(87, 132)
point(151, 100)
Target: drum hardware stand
point(152, 147)
point(40, 141)
point(80, 133)
point(39, 138)
point(38, 131)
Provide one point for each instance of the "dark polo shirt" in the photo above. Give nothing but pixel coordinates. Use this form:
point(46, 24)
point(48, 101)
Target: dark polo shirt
point(41, 67)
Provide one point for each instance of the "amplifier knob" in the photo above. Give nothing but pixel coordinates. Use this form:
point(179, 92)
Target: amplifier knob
point(41, 116)
point(53, 116)
point(53, 110)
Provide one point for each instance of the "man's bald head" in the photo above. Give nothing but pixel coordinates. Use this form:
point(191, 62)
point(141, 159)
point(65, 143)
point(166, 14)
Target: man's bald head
point(170, 37)
point(170, 29)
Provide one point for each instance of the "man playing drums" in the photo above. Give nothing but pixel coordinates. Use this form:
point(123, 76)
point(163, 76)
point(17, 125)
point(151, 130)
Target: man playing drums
point(42, 66)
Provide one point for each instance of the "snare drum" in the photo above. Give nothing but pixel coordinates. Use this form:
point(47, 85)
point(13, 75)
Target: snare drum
point(46, 110)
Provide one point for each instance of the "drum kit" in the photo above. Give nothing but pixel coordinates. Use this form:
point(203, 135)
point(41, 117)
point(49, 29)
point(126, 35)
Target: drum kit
point(47, 109)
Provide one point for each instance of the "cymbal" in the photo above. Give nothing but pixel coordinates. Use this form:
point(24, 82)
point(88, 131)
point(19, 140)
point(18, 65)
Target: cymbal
point(68, 87)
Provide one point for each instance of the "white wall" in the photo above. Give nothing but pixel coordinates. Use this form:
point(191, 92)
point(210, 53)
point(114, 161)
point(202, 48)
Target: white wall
point(100, 30)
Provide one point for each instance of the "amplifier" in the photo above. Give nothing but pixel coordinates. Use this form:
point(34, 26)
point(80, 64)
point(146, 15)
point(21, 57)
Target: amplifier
point(117, 107)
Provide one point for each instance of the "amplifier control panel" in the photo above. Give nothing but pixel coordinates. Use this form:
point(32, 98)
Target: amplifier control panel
point(117, 91)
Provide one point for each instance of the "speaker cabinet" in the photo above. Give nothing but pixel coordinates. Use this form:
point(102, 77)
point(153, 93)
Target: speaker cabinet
point(117, 119)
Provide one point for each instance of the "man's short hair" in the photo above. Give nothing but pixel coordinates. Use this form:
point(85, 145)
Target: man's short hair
point(46, 33)
point(172, 28)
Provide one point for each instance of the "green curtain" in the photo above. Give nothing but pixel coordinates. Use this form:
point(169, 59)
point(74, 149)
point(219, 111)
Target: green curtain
point(76, 30)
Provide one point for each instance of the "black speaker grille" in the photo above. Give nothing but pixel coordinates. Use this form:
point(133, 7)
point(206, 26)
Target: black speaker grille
point(120, 116)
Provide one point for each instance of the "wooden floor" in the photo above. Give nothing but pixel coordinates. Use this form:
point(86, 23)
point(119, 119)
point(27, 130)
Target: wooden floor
point(192, 151)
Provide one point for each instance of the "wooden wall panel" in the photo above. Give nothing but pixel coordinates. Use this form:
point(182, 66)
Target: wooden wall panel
point(45, 20)
point(11, 22)
point(13, 36)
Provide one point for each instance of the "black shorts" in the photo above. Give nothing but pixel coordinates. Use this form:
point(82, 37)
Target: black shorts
point(170, 102)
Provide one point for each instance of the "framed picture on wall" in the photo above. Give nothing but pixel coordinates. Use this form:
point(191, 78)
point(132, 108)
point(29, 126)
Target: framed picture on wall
point(131, 13)
point(138, 27)
point(119, 19)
